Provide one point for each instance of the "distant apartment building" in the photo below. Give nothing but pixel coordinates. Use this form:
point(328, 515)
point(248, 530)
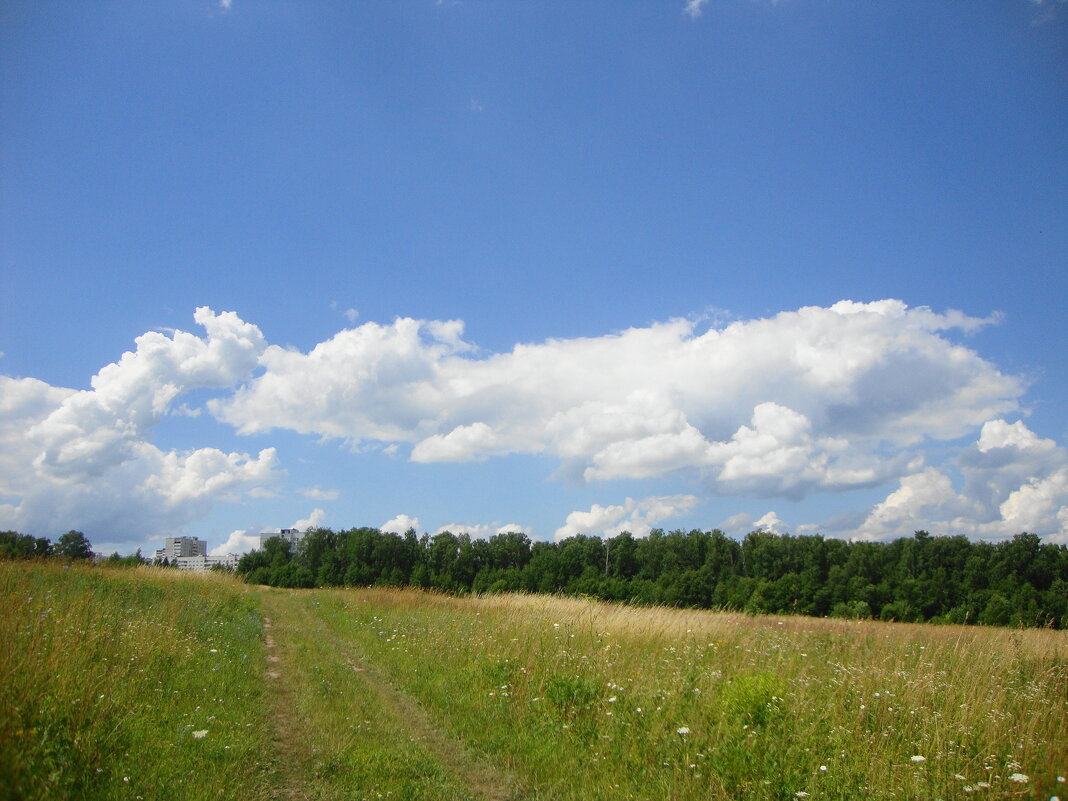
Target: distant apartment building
point(181, 547)
point(189, 553)
point(205, 562)
point(291, 535)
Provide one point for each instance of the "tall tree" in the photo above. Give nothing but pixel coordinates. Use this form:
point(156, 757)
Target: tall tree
point(74, 545)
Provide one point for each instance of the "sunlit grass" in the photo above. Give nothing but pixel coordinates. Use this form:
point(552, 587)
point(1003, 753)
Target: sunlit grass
point(129, 684)
point(589, 700)
point(343, 741)
point(119, 684)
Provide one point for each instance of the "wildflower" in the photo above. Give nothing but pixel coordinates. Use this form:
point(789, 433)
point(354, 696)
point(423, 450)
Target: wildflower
point(683, 730)
point(823, 768)
point(612, 700)
point(917, 758)
point(1019, 777)
point(1060, 779)
point(200, 735)
point(983, 785)
point(800, 794)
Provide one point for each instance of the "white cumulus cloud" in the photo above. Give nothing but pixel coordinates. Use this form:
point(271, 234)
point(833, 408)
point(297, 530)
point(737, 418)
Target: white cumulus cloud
point(482, 531)
point(1011, 481)
point(314, 520)
point(400, 524)
point(240, 541)
point(82, 458)
point(803, 401)
point(639, 517)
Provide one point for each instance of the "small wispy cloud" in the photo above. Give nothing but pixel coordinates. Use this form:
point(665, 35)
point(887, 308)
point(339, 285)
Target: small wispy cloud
point(693, 8)
point(316, 494)
point(475, 105)
point(1047, 10)
point(185, 410)
point(226, 5)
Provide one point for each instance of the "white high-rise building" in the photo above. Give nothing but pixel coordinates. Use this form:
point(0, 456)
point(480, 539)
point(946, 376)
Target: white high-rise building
point(178, 547)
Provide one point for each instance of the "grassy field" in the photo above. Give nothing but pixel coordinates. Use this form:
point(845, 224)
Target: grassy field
point(368, 694)
point(127, 684)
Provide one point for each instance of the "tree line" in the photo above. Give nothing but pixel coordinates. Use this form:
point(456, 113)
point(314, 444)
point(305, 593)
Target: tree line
point(923, 578)
point(73, 545)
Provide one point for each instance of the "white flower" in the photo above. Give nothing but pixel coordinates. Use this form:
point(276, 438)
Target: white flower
point(823, 768)
point(918, 758)
point(200, 735)
point(1019, 777)
point(800, 794)
point(612, 700)
point(1060, 779)
point(682, 730)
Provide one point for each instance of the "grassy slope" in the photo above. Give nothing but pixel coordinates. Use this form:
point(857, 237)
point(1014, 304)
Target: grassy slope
point(105, 676)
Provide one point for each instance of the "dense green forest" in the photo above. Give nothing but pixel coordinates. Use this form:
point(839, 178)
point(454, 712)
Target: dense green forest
point(941, 579)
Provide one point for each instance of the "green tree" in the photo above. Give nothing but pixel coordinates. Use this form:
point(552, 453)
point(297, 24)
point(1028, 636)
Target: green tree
point(74, 545)
point(22, 546)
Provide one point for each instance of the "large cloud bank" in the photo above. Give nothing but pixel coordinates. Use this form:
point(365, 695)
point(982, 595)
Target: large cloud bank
point(82, 457)
point(806, 401)
point(816, 399)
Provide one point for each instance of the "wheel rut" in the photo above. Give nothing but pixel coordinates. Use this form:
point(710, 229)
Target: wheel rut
point(287, 728)
point(482, 779)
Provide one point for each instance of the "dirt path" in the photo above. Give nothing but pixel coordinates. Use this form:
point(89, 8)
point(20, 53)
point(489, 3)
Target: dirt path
point(481, 779)
point(287, 734)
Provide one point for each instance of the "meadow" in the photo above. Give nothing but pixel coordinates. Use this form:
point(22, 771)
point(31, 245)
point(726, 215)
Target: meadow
point(130, 684)
point(110, 678)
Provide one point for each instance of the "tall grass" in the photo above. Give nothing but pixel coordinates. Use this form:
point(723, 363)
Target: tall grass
point(585, 700)
point(127, 684)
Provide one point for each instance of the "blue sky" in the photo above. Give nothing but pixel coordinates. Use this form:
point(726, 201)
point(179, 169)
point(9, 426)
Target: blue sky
point(565, 268)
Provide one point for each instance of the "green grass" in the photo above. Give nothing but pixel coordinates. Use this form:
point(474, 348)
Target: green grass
point(594, 701)
point(341, 736)
point(106, 676)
